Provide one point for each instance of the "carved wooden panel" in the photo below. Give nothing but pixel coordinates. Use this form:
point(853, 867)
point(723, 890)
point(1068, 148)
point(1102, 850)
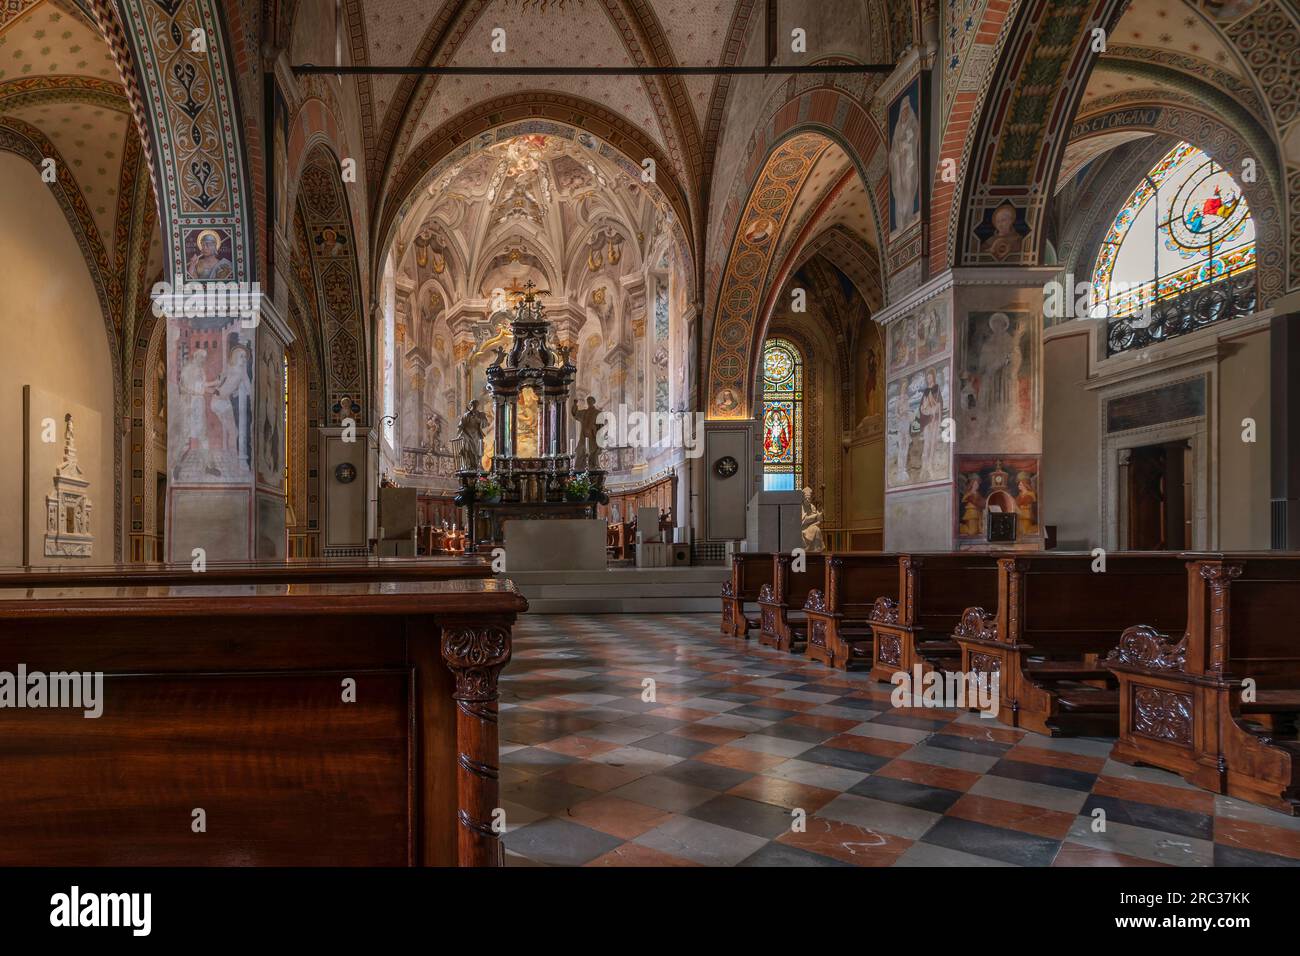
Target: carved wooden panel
point(817, 632)
point(891, 651)
point(1163, 714)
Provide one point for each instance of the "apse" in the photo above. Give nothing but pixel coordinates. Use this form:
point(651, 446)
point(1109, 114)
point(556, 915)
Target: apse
point(551, 208)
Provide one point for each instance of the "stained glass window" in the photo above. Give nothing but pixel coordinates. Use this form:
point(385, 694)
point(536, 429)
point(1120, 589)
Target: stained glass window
point(1186, 225)
point(782, 416)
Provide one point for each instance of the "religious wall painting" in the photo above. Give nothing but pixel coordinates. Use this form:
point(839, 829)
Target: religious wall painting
point(1002, 232)
point(212, 427)
point(1225, 10)
point(997, 396)
point(919, 336)
point(870, 379)
point(906, 157)
point(1007, 484)
point(269, 409)
point(916, 405)
point(330, 242)
point(207, 254)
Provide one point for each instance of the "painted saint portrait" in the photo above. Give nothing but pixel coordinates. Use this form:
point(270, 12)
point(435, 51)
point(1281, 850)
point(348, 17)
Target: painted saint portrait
point(915, 450)
point(1002, 234)
point(207, 254)
point(905, 158)
point(998, 405)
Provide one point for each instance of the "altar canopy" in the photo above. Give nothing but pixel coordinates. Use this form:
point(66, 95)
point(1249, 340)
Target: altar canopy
point(533, 473)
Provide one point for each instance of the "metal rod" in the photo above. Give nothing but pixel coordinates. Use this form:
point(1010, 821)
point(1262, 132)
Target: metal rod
point(309, 69)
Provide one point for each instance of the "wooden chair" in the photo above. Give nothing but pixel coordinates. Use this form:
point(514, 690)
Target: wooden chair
point(1055, 620)
point(782, 621)
point(839, 625)
point(1182, 702)
point(750, 570)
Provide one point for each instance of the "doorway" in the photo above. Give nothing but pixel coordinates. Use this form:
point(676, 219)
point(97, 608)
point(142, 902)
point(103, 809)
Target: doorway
point(1157, 493)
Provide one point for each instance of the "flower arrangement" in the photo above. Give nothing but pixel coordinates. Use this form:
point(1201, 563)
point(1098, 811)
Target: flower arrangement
point(487, 488)
point(579, 487)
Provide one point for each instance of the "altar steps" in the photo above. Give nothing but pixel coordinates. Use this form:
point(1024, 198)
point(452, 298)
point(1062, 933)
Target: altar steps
point(622, 590)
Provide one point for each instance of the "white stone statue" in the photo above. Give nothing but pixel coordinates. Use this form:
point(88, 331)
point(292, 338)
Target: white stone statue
point(470, 432)
point(587, 457)
point(812, 524)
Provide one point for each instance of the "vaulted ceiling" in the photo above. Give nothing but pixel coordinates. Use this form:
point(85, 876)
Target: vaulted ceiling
point(61, 95)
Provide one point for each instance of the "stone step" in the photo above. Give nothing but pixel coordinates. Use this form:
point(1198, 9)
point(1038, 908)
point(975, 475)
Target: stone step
point(687, 590)
point(623, 606)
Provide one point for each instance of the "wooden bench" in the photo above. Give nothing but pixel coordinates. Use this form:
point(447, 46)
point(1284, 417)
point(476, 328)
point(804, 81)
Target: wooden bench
point(750, 570)
point(235, 700)
point(934, 590)
point(1181, 697)
point(782, 621)
point(839, 626)
point(1054, 622)
point(297, 571)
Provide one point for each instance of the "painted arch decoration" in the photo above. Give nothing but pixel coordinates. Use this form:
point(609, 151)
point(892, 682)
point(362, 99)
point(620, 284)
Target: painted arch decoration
point(1023, 128)
point(770, 204)
point(189, 102)
point(331, 249)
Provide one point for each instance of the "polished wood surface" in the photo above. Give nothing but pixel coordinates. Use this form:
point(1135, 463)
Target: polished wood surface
point(839, 628)
point(1056, 617)
point(229, 699)
point(934, 590)
point(750, 570)
point(782, 621)
point(300, 571)
point(1184, 702)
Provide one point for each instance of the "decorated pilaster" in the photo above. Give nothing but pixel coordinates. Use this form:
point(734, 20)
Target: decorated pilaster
point(964, 412)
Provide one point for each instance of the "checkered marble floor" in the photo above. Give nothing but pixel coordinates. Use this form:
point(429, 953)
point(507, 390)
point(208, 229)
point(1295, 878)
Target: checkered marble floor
point(739, 737)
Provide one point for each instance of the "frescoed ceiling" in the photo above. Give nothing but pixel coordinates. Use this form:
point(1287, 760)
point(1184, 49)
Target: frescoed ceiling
point(531, 195)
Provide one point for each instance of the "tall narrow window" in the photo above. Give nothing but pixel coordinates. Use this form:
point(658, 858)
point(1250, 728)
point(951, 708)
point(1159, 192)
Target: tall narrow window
point(1179, 255)
point(782, 416)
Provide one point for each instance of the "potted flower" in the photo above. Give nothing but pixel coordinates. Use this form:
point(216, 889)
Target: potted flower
point(487, 489)
point(578, 488)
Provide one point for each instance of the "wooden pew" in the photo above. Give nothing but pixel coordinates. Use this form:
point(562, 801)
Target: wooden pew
point(782, 622)
point(1181, 697)
point(750, 570)
point(298, 571)
point(934, 589)
point(234, 700)
point(1055, 620)
point(839, 613)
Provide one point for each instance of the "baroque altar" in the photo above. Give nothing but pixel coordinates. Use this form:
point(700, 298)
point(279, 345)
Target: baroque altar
point(551, 484)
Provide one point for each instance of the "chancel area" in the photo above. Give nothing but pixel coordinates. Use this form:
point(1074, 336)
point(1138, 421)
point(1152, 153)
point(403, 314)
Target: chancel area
point(650, 433)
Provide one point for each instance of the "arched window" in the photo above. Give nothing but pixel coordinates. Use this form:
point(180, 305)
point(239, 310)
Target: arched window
point(1184, 229)
point(782, 416)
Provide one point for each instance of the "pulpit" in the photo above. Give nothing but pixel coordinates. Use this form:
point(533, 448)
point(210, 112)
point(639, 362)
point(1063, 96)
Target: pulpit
point(532, 476)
